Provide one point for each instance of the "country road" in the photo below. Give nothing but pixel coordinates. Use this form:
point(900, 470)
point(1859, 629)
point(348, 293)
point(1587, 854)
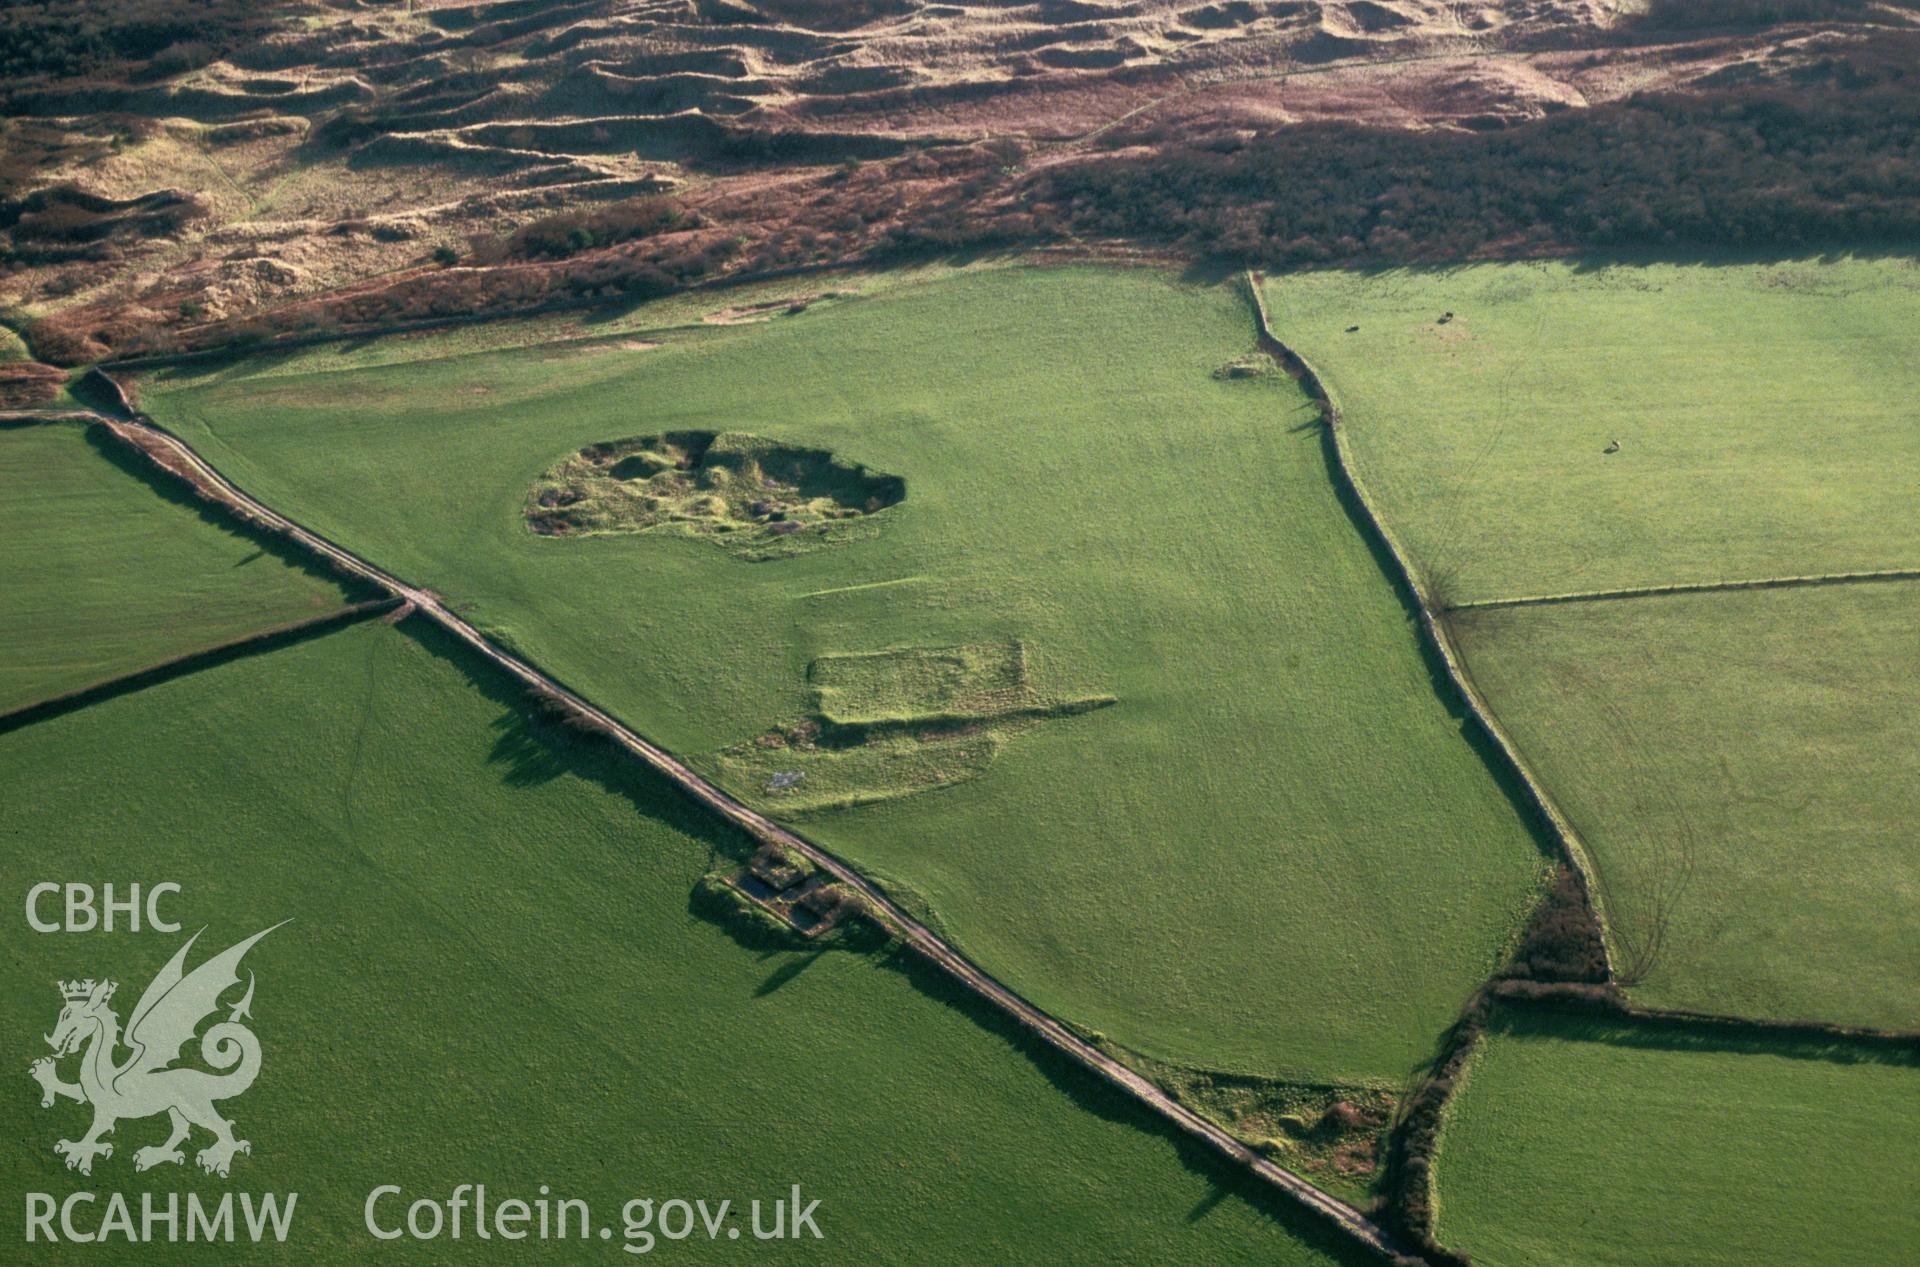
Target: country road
point(149, 436)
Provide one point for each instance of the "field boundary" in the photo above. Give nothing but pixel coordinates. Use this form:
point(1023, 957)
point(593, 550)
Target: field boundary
point(1414, 1145)
point(174, 456)
point(1502, 1002)
point(414, 325)
point(1573, 848)
point(1690, 587)
point(1589, 1001)
point(12, 419)
point(265, 640)
point(1415, 1139)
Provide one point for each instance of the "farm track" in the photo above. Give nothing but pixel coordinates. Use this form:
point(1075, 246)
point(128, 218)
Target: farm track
point(1691, 587)
point(166, 450)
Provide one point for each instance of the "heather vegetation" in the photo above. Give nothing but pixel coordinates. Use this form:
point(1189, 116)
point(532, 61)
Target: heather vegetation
point(1689, 15)
point(150, 38)
point(573, 232)
point(1829, 156)
point(1456, 741)
point(516, 160)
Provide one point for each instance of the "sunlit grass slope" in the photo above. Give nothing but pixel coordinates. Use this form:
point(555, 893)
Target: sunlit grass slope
point(1763, 415)
point(1743, 766)
point(1274, 852)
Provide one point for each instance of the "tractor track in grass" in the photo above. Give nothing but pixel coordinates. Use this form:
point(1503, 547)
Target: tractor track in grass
point(180, 459)
point(1433, 615)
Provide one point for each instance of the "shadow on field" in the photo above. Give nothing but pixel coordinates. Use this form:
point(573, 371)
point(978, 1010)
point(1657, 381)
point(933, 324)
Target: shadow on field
point(528, 757)
point(1732, 258)
point(193, 662)
point(1207, 1205)
point(1213, 272)
point(170, 489)
point(786, 972)
point(1226, 1178)
point(533, 746)
point(1705, 1035)
point(1470, 730)
point(1650, 257)
point(250, 360)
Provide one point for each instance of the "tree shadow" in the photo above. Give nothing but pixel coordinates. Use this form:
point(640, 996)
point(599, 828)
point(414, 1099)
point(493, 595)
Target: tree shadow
point(234, 361)
point(1212, 270)
point(530, 759)
point(1207, 1205)
point(787, 972)
point(1599, 260)
point(1226, 1177)
point(532, 746)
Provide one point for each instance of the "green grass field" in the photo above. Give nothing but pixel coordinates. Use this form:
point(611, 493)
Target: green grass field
point(493, 974)
point(1763, 414)
point(103, 577)
point(1587, 1143)
point(1273, 854)
point(1763, 741)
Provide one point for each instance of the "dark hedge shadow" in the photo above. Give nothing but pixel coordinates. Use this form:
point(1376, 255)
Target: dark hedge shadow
point(170, 488)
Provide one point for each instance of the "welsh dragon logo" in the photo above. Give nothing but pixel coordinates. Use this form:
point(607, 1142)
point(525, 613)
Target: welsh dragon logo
point(147, 1082)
